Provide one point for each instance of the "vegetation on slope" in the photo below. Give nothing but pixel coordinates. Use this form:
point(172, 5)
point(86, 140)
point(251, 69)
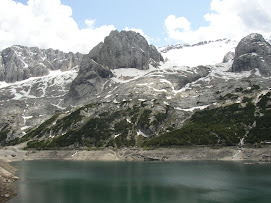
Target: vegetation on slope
point(84, 128)
point(224, 125)
point(261, 132)
point(119, 125)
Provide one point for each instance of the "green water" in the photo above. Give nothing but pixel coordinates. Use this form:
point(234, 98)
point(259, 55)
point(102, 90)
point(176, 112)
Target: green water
point(109, 182)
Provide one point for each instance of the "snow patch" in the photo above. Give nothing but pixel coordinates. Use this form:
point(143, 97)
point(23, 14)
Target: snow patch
point(124, 75)
point(27, 117)
point(139, 132)
point(162, 90)
point(192, 108)
point(115, 136)
point(3, 85)
point(25, 127)
point(115, 102)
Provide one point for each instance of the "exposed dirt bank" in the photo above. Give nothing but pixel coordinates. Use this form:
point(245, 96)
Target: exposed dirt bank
point(263, 154)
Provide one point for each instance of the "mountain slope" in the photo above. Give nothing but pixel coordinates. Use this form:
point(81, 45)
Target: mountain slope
point(126, 116)
point(164, 105)
point(27, 103)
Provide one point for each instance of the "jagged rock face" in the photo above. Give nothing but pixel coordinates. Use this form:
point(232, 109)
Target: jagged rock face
point(90, 81)
point(253, 52)
point(228, 57)
point(19, 63)
point(125, 49)
point(155, 56)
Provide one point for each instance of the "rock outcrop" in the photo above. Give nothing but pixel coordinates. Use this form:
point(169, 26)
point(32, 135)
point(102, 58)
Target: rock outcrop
point(89, 81)
point(125, 49)
point(253, 52)
point(19, 62)
point(228, 57)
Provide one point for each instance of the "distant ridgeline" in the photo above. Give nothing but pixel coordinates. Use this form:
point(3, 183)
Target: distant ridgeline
point(225, 104)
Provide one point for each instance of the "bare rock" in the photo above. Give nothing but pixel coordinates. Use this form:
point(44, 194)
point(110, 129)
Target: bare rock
point(228, 57)
point(89, 81)
point(125, 49)
point(253, 52)
point(19, 62)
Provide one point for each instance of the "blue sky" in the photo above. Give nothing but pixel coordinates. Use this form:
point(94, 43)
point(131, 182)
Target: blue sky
point(148, 15)
point(78, 25)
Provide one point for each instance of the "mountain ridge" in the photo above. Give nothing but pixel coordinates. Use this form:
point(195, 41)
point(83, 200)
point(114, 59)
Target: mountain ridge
point(18, 63)
point(136, 107)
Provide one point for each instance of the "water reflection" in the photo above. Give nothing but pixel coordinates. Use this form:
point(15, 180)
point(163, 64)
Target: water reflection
point(70, 181)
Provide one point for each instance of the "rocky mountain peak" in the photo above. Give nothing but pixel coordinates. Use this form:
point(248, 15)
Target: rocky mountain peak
point(19, 62)
point(253, 52)
point(125, 49)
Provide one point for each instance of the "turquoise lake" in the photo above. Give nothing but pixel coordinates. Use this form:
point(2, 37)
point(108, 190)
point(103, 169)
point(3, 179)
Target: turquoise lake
point(109, 182)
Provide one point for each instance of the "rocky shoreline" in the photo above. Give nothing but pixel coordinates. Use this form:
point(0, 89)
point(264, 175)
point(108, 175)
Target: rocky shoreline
point(7, 179)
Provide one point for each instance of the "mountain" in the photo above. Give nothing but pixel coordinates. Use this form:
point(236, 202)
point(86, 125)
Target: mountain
point(120, 50)
point(125, 49)
point(34, 82)
point(19, 63)
point(162, 104)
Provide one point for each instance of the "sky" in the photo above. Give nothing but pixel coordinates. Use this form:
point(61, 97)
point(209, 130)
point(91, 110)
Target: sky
point(79, 25)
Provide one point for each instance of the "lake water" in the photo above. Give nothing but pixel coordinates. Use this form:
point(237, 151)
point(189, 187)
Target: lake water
point(109, 182)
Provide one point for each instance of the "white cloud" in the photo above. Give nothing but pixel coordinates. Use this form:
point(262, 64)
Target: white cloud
point(228, 19)
point(174, 23)
point(90, 23)
point(150, 40)
point(141, 32)
point(47, 24)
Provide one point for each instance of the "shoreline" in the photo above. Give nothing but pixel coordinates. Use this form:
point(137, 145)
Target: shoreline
point(233, 153)
point(7, 179)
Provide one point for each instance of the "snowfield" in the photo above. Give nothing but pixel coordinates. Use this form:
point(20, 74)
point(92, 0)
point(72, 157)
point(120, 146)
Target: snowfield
point(205, 54)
